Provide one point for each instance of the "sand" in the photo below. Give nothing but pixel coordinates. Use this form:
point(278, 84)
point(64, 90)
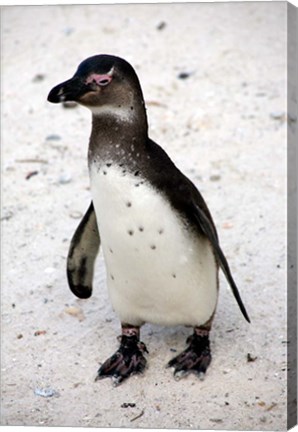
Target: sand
point(223, 123)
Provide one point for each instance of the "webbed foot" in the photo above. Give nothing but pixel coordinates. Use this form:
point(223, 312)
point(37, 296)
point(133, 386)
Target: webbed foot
point(196, 358)
point(128, 360)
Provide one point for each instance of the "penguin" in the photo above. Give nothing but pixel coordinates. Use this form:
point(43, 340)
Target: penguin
point(159, 242)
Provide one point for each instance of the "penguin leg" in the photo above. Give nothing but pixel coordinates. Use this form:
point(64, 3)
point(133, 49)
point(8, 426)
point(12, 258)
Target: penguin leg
point(197, 356)
point(128, 359)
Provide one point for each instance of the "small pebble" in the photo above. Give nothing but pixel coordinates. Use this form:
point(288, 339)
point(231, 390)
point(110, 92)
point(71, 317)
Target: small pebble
point(64, 178)
point(216, 420)
point(76, 215)
point(215, 177)
point(227, 225)
point(75, 312)
point(40, 332)
point(49, 270)
point(46, 392)
point(161, 25)
point(53, 137)
point(277, 115)
point(250, 358)
point(184, 75)
point(38, 77)
point(68, 31)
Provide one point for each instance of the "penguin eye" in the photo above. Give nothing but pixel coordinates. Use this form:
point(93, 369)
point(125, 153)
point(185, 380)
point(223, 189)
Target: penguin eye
point(99, 79)
point(103, 82)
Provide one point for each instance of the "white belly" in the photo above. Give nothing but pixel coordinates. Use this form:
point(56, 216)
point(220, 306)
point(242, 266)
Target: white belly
point(158, 271)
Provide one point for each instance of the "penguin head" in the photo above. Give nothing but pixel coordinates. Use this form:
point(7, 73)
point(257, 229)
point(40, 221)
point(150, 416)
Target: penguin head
point(102, 83)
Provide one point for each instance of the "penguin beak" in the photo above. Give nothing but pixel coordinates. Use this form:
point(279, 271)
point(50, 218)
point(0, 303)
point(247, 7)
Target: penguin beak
point(70, 90)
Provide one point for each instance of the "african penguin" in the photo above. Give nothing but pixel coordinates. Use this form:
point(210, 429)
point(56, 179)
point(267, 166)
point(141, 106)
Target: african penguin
point(158, 238)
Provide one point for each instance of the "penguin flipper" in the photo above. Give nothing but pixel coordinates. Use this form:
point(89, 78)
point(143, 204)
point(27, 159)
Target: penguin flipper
point(82, 252)
point(206, 226)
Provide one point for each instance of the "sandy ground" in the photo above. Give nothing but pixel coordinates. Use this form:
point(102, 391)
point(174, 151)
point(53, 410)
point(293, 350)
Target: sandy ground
point(224, 126)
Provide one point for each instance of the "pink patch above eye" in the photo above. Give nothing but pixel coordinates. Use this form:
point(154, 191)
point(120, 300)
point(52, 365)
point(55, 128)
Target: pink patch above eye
point(100, 80)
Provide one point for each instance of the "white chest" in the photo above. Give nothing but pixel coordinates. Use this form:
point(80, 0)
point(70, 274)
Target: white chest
point(157, 270)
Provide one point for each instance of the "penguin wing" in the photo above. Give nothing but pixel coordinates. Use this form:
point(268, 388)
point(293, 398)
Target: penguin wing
point(207, 228)
point(82, 252)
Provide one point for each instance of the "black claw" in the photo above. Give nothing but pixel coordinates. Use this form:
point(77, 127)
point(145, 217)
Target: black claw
point(128, 360)
point(196, 358)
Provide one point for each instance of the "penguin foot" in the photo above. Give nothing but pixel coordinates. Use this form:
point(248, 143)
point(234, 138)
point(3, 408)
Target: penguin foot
point(128, 360)
point(195, 359)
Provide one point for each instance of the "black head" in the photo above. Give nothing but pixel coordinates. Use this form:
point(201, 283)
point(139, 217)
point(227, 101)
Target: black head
point(101, 82)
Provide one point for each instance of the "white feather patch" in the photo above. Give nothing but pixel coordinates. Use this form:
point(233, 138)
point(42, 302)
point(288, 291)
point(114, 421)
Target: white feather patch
point(123, 113)
point(158, 271)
